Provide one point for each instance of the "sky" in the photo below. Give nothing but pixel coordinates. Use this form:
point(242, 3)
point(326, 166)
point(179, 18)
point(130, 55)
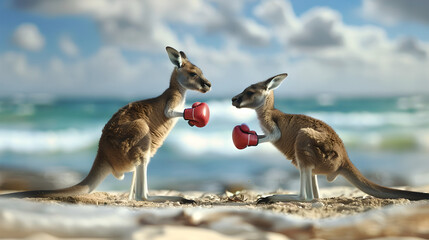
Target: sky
point(116, 48)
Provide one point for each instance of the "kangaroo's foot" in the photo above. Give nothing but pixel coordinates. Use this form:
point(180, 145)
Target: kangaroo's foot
point(160, 199)
point(283, 198)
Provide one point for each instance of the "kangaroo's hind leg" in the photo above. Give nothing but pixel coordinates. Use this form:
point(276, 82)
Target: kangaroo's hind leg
point(305, 192)
point(308, 155)
point(133, 187)
point(140, 154)
point(315, 186)
point(141, 191)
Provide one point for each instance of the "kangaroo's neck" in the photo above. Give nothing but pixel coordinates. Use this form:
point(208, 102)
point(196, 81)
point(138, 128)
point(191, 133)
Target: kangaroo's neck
point(265, 113)
point(175, 86)
point(175, 92)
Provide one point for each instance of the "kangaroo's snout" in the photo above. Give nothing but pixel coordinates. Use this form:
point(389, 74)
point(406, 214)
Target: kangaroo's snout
point(205, 85)
point(236, 101)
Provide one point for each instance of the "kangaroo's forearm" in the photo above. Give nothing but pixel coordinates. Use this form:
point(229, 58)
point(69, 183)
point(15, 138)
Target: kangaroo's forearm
point(271, 137)
point(263, 139)
point(170, 111)
point(266, 138)
point(173, 114)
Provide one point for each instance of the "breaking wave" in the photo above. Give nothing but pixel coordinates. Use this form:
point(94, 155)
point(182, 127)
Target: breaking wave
point(33, 141)
point(392, 130)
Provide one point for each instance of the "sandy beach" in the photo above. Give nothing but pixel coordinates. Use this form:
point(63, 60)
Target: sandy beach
point(341, 213)
point(348, 202)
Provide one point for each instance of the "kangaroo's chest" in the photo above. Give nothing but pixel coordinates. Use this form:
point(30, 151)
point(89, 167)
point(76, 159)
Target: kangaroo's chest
point(162, 126)
point(285, 144)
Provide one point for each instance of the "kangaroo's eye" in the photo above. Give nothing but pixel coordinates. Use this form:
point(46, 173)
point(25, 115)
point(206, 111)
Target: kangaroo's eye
point(249, 94)
point(192, 74)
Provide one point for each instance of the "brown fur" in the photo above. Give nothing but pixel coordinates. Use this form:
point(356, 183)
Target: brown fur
point(137, 128)
point(134, 131)
point(309, 139)
point(309, 142)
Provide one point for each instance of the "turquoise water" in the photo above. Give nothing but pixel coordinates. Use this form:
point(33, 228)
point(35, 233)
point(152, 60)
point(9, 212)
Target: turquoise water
point(387, 138)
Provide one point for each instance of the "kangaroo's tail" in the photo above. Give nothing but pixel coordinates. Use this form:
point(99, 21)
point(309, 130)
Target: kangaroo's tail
point(99, 171)
point(354, 176)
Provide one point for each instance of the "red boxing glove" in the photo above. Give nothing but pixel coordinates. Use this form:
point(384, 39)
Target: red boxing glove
point(198, 115)
point(243, 137)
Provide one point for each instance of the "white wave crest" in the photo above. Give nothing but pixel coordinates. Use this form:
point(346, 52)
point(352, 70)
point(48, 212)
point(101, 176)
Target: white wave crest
point(190, 142)
point(373, 130)
point(371, 119)
point(34, 141)
point(224, 111)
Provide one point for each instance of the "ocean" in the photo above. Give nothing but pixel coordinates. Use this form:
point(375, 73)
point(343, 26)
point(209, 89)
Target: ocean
point(387, 138)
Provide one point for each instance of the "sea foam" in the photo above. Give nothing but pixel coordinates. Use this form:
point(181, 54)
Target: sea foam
point(390, 130)
point(36, 141)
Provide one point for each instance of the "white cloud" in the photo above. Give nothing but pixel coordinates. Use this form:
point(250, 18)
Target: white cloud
point(129, 24)
point(14, 66)
point(146, 25)
point(106, 73)
point(277, 12)
point(394, 11)
point(412, 47)
point(65, 7)
point(341, 59)
point(246, 31)
point(319, 29)
point(333, 57)
point(228, 68)
point(231, 22)
point(68, 47)
point(27, 36)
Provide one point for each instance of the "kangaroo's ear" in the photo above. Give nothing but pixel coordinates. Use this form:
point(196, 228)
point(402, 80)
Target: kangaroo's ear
point(174, 56)
point(274, 82)
point(183, 55)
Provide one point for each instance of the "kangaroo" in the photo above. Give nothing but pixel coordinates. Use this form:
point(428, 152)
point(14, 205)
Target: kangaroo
point(135, 132)
point(312, 146)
